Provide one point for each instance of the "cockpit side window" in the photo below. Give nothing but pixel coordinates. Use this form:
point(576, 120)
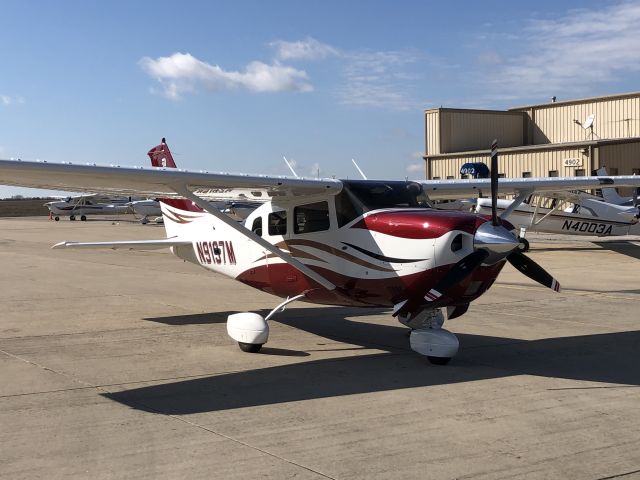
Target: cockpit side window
point(278, 223)
point(257, 226)
point(312, 217)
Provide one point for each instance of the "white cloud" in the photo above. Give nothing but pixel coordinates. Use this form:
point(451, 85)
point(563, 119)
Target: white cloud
point(7, 100)
point(378, 79)
point(182, 73)
point(315, 168)
point(416, 167)
point(307, 49)
point(572, 54)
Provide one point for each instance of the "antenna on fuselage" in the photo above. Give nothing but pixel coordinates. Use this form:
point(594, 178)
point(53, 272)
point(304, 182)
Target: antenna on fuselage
point(290, 167)
point(364, 177)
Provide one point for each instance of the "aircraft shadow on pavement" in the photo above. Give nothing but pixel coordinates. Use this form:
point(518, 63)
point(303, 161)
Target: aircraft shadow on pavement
point(608, 358)
point(622, 247)
point(192, 319)
point(566, 289)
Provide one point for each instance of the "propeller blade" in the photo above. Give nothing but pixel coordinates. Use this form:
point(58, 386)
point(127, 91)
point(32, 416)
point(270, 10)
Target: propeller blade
point(456, 274)
point(494, 182)
point(532, 270)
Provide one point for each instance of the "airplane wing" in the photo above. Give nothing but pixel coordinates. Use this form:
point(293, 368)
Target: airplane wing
point(171, 182)
point(126, 244)
point(443, 189)
point(151, 182)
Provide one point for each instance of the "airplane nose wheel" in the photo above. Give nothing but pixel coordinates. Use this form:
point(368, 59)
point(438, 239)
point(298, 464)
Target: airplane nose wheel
point(428, 338)
point(524, 244)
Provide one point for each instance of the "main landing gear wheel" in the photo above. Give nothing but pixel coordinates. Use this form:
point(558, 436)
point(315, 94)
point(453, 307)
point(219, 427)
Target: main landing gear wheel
point(83, 218)
point(250, 347)
point(56, 218)
point(72, 218)
point(438, 360)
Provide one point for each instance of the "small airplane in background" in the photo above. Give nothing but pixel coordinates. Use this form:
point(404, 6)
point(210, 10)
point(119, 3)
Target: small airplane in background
point(83, 205)
point(365, 243)
point(571, 213)
point(610, 195)
point(145, 209)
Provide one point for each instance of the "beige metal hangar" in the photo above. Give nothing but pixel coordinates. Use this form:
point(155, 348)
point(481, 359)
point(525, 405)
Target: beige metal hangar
point(567, 138)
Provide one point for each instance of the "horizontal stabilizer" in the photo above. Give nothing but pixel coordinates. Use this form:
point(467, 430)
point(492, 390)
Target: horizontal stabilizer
point(126, 244)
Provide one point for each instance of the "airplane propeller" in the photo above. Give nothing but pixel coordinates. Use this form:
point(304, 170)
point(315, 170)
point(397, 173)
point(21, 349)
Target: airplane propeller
point(532, 270)
point(492, 243)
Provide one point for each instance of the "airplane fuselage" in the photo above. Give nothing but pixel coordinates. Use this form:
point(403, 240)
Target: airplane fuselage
point(375, 260)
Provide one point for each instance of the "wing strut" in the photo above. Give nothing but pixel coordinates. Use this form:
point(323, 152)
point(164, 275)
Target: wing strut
point(516, 203)
point(184, 191)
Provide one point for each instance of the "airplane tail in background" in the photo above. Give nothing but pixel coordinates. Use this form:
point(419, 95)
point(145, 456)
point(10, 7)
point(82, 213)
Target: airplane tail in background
point(610, 195)
point(172, 208)
point(160, 156)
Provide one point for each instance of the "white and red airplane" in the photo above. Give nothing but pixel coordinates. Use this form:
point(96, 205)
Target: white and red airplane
point(363, 243)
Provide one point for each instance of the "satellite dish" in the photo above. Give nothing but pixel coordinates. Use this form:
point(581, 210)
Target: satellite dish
point(588, 123)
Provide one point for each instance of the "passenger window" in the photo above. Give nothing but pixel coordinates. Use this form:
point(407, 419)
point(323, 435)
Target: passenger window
point(278, 223)
point(257, 226)
point(313, 217)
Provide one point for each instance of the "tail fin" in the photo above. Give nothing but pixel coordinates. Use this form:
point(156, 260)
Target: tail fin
point(610, 194)
point(160, 156)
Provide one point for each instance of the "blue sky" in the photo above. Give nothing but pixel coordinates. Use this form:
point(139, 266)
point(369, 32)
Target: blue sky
point(236, 85)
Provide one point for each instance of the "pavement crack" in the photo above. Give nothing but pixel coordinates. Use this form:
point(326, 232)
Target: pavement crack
point(102, 389)
point(48, 369)
point(619, 475)
point(178, 418)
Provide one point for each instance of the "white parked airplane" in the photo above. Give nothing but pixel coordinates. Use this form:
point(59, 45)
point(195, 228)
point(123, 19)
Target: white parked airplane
point(84, 205)
point(361, 243)
point(586, 215)
point(146, 209)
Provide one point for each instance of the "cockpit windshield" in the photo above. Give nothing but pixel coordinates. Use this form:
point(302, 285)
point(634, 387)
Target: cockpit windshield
point(375, 195)
point(361, 196)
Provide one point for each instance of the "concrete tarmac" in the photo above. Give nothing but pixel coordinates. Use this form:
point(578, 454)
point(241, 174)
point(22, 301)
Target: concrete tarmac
point(116, 364)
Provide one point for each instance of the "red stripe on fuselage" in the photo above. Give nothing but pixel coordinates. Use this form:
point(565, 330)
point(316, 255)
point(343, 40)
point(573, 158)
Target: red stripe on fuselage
point(283, 280)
